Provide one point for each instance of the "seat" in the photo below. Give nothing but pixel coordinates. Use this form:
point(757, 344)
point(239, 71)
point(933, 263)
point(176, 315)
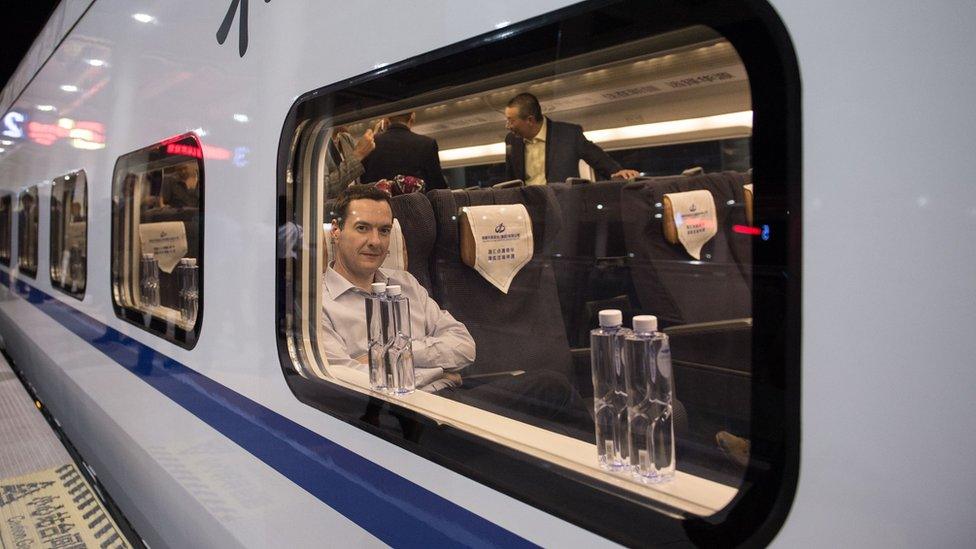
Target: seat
point(520, 330)
point(705, 305)
point(590, 257)
point(416, 218)
point(668, 282)
point(169, 291)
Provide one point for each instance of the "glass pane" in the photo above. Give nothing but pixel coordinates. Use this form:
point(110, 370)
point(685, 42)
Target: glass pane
point(6, 218)
point(27, 232)
point(157, 221)
point(69, 233)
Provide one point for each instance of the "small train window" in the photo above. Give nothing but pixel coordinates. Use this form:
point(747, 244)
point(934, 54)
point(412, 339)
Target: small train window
point(27, 223)
point(69, 233)
point(6, 218)
point(524, 189)
point(157, 239)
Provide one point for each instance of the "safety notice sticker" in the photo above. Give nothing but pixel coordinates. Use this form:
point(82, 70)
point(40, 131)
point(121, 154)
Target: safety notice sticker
point(54, 509)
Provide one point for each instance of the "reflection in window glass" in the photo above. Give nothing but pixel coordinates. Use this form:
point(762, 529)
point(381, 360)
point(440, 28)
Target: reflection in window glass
point(6, 218)
point(27, 222)
point(628, 187)
point(69, 233)
point(157, 229)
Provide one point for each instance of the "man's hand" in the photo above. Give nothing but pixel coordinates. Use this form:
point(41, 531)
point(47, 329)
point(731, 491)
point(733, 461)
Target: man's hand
point(625, 174)
point(365, 145)
point(453, 377)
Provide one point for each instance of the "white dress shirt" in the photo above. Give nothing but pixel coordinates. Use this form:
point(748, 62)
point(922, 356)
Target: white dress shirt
point(535, 158)
point(440, 343)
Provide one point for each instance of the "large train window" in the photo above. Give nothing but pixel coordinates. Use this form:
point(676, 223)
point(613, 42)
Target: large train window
point(69, 233)
point(157, 239)
point(27, 223)
point(514, 186)
point(6, 218)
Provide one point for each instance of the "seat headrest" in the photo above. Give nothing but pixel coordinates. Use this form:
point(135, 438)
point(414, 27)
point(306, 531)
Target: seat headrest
point(690, 218)
point(747, 189)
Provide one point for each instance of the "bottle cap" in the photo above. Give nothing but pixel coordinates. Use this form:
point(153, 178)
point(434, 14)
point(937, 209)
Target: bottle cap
point(611, 317)
point(148, 255)
point(393, 289)
point(645, 323)
point(188, 261)
point(378, 287)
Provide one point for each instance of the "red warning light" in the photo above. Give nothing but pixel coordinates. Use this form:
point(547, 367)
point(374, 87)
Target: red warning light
point(745, 229)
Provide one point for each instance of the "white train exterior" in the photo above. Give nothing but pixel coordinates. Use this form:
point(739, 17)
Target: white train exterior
point(887, 305)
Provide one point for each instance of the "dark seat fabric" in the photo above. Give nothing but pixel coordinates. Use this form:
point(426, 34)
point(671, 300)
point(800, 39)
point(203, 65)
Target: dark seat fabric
point(668, 281)
point(590, 257)
point(521, 330)
point(417, 223)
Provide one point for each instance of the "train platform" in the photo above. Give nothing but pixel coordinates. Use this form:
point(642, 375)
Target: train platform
point(45, 500)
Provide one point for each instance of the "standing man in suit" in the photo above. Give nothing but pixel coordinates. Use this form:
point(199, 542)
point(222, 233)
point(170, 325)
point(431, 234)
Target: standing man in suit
point(399, 151)
point(539, 150)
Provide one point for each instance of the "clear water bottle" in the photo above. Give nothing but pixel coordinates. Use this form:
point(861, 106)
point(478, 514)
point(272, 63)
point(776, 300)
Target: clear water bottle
point(650, 390)
point(400, 352)
point(609, 390)
point(149, 281)
point(377, 329)
point(189, 292)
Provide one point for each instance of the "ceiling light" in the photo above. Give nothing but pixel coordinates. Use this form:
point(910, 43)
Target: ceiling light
point(6, 142)
point(70, 88)
point(45, 108)
point(96, 62)
point(143, 17)
point(2, 149)
point(242, 118)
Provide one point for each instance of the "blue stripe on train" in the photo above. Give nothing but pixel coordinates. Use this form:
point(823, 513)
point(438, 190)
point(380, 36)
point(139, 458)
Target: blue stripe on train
point(390, 507)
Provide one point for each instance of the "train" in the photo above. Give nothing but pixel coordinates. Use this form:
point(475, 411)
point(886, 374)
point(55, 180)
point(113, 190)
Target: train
point(166, 215)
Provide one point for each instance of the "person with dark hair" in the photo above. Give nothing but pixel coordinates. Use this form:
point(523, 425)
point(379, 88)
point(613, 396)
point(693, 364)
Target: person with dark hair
point(539, 150)
point(181, 189)
point(400, 151)
point(442, 346)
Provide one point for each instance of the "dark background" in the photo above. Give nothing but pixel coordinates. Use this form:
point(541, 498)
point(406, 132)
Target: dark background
point(22, 21)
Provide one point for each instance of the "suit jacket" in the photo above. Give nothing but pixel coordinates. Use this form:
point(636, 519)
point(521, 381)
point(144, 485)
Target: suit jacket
point(565, 147)
point(399, 151)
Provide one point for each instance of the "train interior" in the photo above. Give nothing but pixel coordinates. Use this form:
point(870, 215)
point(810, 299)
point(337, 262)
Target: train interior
point(676, 108)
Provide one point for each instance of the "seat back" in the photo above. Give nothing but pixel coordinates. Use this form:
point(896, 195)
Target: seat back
point(520, 330)
point(169, 291)
point(590, 256)
point(416, 218)
point(668, 282)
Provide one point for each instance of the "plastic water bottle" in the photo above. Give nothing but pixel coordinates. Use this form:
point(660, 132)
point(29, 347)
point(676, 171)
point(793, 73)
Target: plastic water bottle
point(149, 281)
point(377, 328)
point(400, 352)
point(189, 292)
point(609, 390)
point(650, 390)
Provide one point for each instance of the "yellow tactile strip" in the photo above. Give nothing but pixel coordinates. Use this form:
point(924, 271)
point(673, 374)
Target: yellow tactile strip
point(54, 509)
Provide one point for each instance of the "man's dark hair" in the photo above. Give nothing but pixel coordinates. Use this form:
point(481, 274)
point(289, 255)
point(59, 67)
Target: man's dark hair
point(402, 118)
point(356, 192)
point(528, 105)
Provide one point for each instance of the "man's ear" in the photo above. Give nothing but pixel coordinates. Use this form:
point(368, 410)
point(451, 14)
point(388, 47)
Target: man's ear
point(335, 229)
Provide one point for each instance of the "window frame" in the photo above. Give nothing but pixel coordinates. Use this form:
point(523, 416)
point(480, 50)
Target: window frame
point(762, 42)
point(170, 331)
point(22, 222)
point(66, 288)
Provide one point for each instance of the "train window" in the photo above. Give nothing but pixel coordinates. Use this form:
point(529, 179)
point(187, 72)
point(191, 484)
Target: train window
point(6, 218)
point(69, 233)
point(576, 168)
point(157, 239)
point(27, 232)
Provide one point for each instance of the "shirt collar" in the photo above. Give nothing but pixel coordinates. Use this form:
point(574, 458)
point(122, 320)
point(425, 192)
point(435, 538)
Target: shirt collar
point(336, 284)
point(541, 136)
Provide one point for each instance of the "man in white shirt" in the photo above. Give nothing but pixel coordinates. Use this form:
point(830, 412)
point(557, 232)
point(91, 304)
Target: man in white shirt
point(442, 346)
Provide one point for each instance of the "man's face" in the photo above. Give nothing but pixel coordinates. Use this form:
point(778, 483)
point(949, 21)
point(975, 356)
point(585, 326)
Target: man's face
point(526, 128)
point(364, 239)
